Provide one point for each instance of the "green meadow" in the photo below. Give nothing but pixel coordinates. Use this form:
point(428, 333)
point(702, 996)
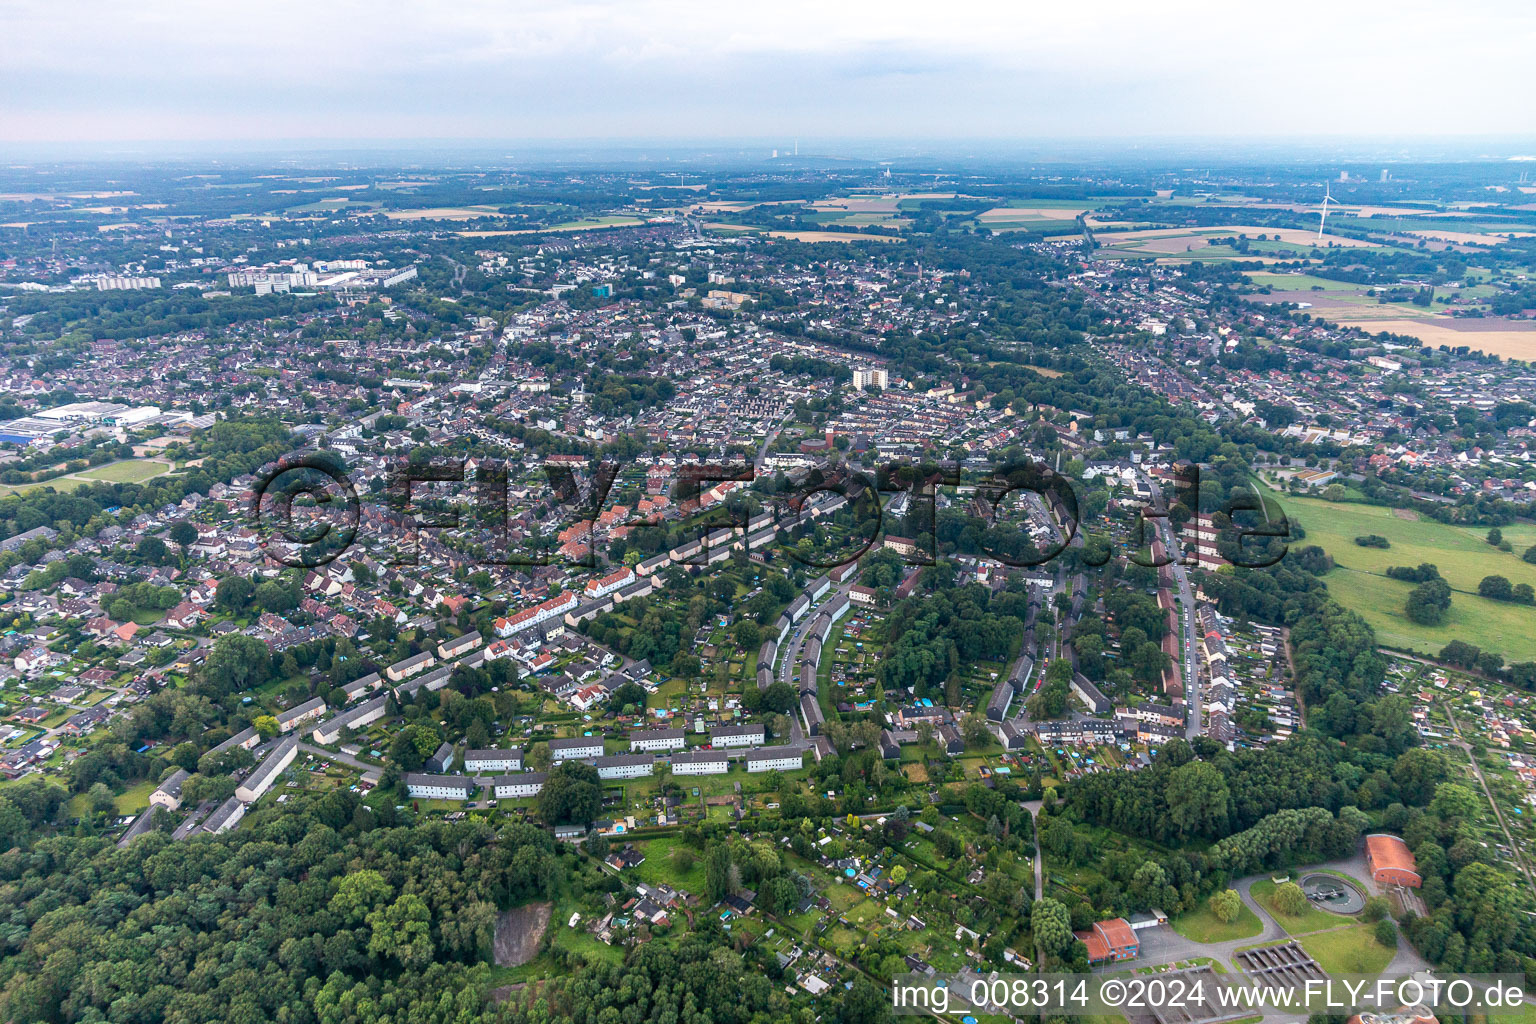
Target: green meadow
point(1462, 554)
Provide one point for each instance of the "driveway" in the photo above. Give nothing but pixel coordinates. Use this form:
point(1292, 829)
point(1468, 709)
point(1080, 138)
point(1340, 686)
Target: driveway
point(1164, 945)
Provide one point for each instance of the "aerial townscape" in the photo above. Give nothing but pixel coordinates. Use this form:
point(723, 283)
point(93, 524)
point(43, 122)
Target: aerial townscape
point(720, 582)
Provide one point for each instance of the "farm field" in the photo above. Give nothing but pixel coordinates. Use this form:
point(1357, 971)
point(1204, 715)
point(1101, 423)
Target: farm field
point(831, 236)
point(1349, 305)
point(593, 224)
point(445, 213)
point(1181, 241)
point(1495, 336)
point(1298, 282)
point(1030, 215)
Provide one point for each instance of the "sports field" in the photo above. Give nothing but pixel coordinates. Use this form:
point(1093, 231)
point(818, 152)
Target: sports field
point(125, 471)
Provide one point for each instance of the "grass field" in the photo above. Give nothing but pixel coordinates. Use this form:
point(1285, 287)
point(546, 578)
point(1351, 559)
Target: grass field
point(1299, 282)
point(130, 801)
point(1490, 625)
point(1309, 920)
point(662, 864)
point(1348, 951)
point(125, 471)
point(1462, 554)
point(1204, 926)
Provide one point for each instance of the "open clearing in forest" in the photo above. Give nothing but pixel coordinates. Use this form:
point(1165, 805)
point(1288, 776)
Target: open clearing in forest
point(518, 932)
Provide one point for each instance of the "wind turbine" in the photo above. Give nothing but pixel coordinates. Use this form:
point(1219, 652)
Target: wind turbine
point(1323, 219)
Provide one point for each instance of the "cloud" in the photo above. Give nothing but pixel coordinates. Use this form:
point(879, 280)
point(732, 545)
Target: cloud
point(158, 69)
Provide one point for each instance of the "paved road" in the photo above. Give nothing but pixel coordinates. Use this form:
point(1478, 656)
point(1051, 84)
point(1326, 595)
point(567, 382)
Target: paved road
point(1194, 723)
point(762, 451)
point(1164, 945)
point(346, 759)
point(1033, 807)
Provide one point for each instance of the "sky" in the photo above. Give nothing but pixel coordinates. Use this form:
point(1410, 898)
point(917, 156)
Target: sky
point(101, 72)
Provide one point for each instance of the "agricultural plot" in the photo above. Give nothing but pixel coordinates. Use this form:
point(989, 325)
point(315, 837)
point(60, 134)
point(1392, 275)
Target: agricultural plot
point(1197, 243)
point(1510, 339)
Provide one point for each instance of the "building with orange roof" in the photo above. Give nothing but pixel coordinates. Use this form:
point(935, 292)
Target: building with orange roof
point(1114, 939)
point(1391, 861)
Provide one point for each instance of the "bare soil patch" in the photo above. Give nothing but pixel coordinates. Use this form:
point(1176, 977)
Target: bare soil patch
point(518, 932)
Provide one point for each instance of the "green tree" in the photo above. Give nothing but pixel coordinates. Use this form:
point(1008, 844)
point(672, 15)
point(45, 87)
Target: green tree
point(1454, 802)
point(747, 634)
point(717, 871)
point(572, 795)
point(1051, 926)
point(233, 594)
point(402, 932)
point(1289, 899)
point(1226, 905)
point(236, 663)
point(864, 1003)
point(1198, 800)
point(1429, 602)
point(1385, 933)
point(360, 894)
point(102, 801)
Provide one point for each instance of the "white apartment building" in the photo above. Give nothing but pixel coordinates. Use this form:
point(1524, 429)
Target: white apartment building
point(578, 749)
point(770, 759)
point(866, 378)
point(523, 784)
point(624, 766)
point(493, 761)
point(657, 739)
point(358, 718)
point(438, 787)
point(263, 775)
point(737, 736)
point(701, 762)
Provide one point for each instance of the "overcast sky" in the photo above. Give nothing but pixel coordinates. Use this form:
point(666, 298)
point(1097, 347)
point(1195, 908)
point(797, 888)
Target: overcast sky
point(91, 70)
